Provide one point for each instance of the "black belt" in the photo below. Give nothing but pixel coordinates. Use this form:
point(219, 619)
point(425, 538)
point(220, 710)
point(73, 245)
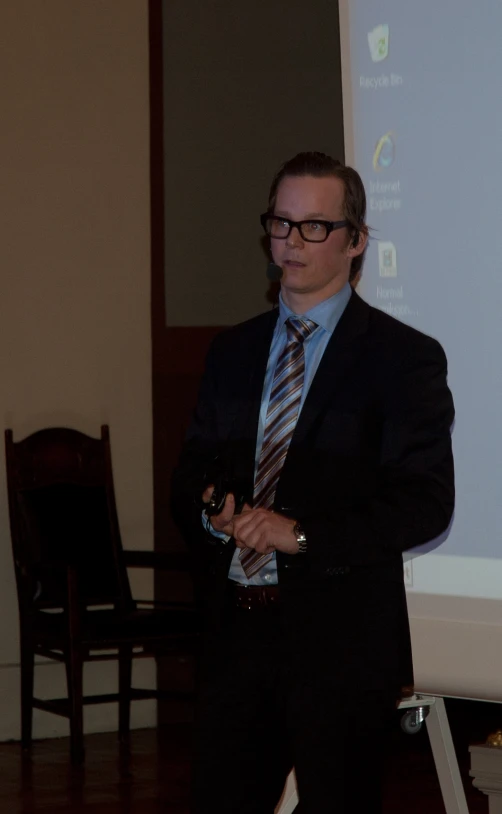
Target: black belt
point(254, 597)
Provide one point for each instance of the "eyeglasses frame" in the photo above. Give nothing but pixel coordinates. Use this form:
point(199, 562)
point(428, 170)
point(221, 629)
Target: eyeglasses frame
point(331, 226)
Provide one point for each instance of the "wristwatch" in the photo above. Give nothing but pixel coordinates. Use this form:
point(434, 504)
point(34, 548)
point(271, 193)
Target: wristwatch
point(301, 538)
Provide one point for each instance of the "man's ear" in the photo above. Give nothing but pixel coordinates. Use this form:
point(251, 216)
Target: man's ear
point(358, 242)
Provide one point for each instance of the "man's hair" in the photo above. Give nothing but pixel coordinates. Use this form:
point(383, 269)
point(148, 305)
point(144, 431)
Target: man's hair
point(320, 165)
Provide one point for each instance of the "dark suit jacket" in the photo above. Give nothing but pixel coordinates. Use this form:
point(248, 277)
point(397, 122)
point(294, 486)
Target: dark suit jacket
point(369, 473)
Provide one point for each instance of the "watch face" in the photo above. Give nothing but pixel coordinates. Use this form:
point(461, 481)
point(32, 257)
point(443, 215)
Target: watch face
point(299, 534)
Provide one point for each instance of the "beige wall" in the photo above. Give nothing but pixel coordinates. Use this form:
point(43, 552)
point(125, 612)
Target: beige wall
point(75, 248)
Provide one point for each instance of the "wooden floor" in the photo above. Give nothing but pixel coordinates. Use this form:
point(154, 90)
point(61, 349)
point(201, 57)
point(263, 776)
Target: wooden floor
point(153, 776)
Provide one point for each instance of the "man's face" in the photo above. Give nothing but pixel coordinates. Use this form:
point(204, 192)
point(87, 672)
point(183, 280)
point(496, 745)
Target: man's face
point(312, 272)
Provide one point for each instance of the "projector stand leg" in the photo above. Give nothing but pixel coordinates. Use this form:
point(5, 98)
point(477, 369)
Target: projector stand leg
point(445, 759)
point(289, 799)
point(443, 752)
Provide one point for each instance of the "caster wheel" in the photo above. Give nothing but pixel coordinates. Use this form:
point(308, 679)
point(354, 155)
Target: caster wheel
point(411, 722)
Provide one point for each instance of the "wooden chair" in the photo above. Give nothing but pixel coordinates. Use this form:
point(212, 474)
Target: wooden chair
point(73, 589)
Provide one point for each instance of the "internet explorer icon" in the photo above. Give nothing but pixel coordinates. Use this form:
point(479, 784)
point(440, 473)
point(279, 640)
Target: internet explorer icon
point(385, 152)
point(378, 41)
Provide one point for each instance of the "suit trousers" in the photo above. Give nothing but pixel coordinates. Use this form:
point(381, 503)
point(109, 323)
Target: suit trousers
point(263, 708)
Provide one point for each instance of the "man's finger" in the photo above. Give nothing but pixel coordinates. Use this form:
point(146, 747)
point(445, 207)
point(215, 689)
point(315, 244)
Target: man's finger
point(243, 523)
point(250, 519)
point(264, 547)
point(225, 517)
point(229, 507)
point(206, 494)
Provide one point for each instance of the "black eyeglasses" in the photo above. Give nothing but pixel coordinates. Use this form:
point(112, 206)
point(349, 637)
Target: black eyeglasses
point(313, 231)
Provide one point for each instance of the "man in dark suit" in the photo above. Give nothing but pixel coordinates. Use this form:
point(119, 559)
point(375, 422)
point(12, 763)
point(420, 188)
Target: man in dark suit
point(332, 422)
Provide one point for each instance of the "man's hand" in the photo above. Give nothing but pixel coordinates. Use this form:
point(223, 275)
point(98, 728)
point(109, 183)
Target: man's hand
point(264, 531)
point(224, 520)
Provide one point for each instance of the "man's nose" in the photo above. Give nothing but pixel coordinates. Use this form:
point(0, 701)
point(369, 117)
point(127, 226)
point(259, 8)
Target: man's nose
point(294, 238)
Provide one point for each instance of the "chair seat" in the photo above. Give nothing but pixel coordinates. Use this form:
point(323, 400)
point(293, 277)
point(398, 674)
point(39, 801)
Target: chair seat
point(104, 628)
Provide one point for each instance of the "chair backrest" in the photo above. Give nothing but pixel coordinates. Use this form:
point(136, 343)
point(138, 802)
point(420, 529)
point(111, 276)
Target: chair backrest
point(62, 512)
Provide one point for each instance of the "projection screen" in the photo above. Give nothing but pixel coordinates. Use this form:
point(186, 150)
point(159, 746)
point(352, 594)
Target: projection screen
point(423, 126)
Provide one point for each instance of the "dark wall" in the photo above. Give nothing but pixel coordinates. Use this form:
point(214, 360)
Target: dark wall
point(246, 85)
point(236, 88)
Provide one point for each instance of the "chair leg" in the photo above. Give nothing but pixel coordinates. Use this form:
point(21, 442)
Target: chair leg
point(27, 678)
point(74, 678)
point(125, 680)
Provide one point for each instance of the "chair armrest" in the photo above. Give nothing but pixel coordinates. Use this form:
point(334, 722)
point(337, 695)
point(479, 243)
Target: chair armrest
point(187, 605)
point(165, 560)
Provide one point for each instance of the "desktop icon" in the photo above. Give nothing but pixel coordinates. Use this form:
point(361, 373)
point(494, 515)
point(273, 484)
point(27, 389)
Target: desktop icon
point(385, 152)
point(378, 41)
point(387, 261)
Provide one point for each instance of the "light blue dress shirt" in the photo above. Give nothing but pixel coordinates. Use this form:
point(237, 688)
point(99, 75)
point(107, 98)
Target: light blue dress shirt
point(326, 315)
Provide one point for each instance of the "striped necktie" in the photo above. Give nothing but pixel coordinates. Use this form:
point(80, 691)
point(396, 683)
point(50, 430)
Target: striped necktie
point(280, 423)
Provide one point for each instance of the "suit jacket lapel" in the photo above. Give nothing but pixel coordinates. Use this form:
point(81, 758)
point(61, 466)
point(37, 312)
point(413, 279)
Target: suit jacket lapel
point(245, 429)
point(335, 365)
point(258, 368)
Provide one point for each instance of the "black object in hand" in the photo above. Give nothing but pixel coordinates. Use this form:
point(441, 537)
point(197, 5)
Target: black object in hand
point(223, 485)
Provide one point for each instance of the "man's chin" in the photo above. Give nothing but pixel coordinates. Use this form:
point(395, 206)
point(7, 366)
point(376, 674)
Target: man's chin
point(294, 279)
point(301, 288)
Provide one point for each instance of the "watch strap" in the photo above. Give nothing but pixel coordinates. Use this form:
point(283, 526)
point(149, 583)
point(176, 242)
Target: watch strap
point(301, 538)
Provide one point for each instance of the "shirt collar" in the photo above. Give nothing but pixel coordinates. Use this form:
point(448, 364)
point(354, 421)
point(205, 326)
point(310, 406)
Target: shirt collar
point(326, 313)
